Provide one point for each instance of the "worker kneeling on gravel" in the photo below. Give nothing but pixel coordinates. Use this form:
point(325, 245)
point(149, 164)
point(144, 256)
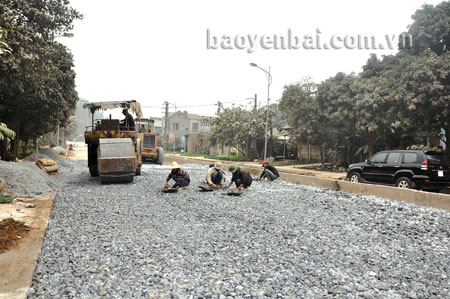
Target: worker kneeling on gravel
point(270, 172)
point(180, 176)
point(215, 177)
point(241, 177)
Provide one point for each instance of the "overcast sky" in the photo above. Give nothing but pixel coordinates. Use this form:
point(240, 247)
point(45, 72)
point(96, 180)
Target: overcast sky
point(156, 51)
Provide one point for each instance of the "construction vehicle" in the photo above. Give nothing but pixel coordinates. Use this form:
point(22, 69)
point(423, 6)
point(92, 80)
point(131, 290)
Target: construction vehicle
point(114, 149)
point(151, 152)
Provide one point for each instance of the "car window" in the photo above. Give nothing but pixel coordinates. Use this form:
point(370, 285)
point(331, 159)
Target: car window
point(437, 159)
point(378, 158)
point(410, 158)
point(393, 158)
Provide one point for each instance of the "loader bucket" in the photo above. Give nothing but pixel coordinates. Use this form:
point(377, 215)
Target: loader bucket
point(116, 160)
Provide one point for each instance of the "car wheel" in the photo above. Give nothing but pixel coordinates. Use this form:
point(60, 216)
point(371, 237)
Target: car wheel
point(355, 177)
point(404, 183)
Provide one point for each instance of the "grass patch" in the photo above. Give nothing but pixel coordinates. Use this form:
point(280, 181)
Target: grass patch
point(230, 158)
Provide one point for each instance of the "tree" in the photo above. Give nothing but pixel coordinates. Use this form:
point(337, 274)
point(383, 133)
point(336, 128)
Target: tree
point(422, 85)
point(308, 124)
point(238, 127)
point(5, 133)
point(337, 97)
point(429, 31)
point(4, 48)
point(37, 81)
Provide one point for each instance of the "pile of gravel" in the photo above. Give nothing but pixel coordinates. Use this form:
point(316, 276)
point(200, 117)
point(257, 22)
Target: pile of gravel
point(26, 179)
point(35, 157)
point(51, 154)
point(59, 149)
point(276, 240)
point(64, 164)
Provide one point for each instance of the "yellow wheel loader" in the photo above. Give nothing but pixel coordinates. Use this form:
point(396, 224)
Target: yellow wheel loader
point(114, 148)
point(151, 152)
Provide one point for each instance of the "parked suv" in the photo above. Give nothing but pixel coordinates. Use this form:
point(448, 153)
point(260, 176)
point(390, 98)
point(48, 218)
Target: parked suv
point(404, 169)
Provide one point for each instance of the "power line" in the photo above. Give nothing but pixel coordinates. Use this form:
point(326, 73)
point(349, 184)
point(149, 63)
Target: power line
point(203, 105)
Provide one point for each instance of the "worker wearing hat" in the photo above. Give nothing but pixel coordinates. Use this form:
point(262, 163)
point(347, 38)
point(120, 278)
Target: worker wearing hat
point(216, 177)
point(269, 172)
point(180, 176)
point(128, 122)
point(241, 177)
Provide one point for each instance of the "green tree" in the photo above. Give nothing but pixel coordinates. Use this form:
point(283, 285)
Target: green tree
point(238, 127)
point(337, 97)
point(429, 31)
point(307, 122)
point(4, 48)
point(422, 87)
point(37, 80)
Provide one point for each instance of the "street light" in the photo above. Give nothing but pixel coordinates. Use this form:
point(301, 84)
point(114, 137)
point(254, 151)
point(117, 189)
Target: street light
point(269, 78)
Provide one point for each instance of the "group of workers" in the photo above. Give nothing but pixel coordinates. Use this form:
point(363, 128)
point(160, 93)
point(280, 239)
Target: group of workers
point(215, 177)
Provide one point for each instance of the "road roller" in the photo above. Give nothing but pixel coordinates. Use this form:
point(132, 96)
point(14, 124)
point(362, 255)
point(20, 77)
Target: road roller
point(114, 148)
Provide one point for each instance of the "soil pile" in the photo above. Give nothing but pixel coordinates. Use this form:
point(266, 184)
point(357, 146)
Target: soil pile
point(11, 231)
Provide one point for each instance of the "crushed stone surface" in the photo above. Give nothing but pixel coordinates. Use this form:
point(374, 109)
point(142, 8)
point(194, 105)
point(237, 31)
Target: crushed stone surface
point(26, 179)
point(277, 240)
point(51, 154)
point(35, 157)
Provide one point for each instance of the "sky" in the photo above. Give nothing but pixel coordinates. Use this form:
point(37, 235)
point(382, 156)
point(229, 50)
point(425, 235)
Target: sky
point(156, 51)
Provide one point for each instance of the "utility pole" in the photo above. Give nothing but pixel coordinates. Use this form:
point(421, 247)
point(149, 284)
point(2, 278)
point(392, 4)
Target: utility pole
point(255, 112)
point(166, 122)
point(57, 136)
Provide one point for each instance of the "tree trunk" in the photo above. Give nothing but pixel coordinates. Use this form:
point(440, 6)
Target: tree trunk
point(24, 147)
point(3, 149)
point(322, 154)
point(371, 143)
point(309, 152)
point(347, 151)
point(247, 149)
point(17, 141)
point(447, 141)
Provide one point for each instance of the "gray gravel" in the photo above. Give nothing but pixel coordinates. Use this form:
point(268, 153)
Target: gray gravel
point(26, 179)
point(35, 157)
point(51, 154)
point(277, 240)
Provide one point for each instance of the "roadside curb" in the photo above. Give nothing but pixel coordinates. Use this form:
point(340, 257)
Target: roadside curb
point(421, 198)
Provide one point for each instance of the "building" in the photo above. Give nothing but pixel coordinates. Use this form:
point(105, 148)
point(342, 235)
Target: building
point(182, 126)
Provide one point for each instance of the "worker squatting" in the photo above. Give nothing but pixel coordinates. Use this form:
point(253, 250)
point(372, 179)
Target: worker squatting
point(215, 177)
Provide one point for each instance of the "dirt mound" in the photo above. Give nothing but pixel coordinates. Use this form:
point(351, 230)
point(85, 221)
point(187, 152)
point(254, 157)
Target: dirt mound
point(11, 231)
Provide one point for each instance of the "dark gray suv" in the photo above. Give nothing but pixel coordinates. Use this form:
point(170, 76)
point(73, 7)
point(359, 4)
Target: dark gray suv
point(404, 169)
